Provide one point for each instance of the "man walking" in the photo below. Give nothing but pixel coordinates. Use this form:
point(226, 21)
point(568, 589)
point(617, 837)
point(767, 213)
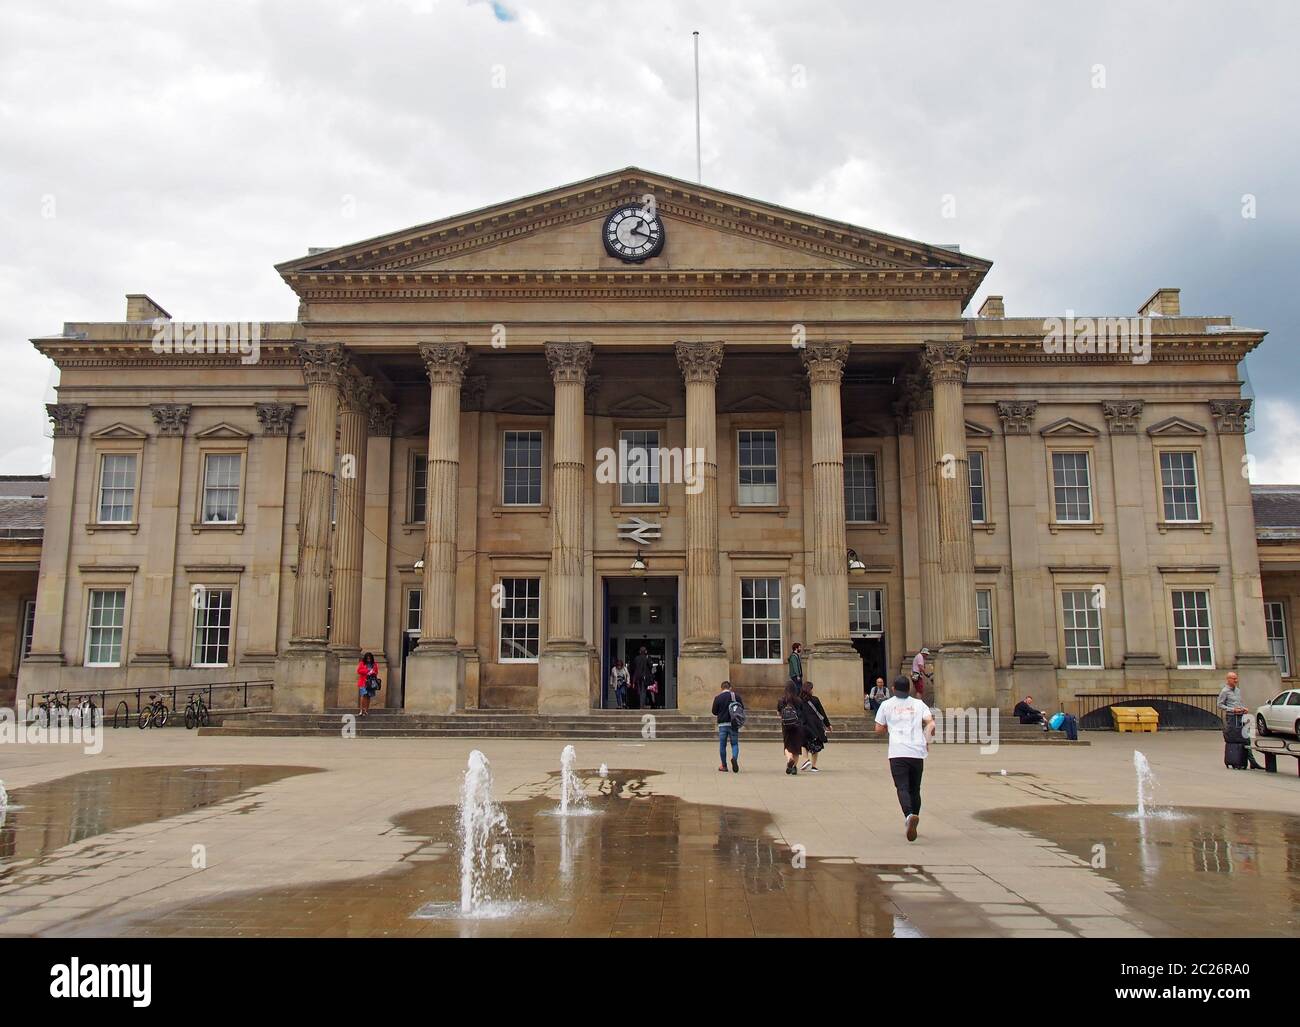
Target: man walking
point(919, 674)
point(796, 664)
point(730, 712)
point(642, 676)
point(911, 726)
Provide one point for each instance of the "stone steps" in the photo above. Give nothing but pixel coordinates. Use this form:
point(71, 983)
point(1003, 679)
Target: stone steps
point(611, 725)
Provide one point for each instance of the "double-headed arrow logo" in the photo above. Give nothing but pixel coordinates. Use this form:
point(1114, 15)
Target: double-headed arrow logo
point(640, 531)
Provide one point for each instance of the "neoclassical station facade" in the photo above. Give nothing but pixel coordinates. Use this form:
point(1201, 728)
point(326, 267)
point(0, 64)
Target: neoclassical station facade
point(418, 466)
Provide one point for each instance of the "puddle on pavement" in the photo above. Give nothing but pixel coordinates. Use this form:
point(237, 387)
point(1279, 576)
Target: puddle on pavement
point(1205, 873)
point(646, 865)
point(45, 817)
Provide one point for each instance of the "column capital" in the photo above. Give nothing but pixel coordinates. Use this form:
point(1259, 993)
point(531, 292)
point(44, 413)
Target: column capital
point(171, 418)
point(1122, 415)
point(322, 363)
point(947, 362)
point(1231, 416)
point(275, 418)
point(356, 391)
point(569, 361)
point(824, 361)
point(67, 417)
point(445, 362)
point(700, 361)
point(1017, 415)
point(379, 418)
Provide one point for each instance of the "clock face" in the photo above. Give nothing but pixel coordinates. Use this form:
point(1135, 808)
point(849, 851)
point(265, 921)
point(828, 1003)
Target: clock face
point(633, 234)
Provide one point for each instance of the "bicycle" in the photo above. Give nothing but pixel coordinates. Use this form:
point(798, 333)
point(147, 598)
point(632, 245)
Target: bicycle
point(196, 712)
point(51, 708)
point(155, 714)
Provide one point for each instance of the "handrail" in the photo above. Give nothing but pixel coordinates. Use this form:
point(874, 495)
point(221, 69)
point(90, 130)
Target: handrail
point(197, 687)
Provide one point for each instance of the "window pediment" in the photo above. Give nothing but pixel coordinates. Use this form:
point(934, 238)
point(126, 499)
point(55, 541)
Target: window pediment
point(1175, 426)
point(119, 431)
point(1068, 427)
point(224, 430)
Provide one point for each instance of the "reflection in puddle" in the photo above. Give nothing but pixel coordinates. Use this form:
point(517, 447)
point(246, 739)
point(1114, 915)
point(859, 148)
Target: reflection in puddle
point(1164, 863)
point(48, 816)
point(649, 865)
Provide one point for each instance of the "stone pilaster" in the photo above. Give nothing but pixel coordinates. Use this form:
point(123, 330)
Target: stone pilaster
point(356, 393)
point(307, 674)
point(908, 483)
point(927, 515)
point(703, 664)
point(564, 671)
point(833, 663)
point(963, 672)
point(1259, 674)
point(1144, 667)
point(435, 673)
point(153, 612)
point(1032, 663)
point(271, 450)
point(40, 671)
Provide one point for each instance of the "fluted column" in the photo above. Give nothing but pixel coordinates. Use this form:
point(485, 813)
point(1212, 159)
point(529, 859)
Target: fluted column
point(964, 671)
point(322, 366)
point(927, 515)
point(445, 364)
point(700, 363)
point(306, 674)
point(833, 663)
point(564, 673)
point(356, 392)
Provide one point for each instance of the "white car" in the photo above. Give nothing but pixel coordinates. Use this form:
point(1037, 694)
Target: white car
point(1280, 714)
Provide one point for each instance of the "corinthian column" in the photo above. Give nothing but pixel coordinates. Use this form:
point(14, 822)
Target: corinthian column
point(833, 663)
point(703, 664)
point(356, 392)
point(435, 677)
point(307, 674)
point(564, 672)
point(964, 673)
point(927, 514)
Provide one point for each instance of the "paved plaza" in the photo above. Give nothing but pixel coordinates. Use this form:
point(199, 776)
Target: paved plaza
point(166, 832)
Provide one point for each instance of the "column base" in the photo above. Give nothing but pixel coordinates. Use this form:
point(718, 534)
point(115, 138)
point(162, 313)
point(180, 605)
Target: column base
point(835, 669)
point(435, 680)
point(306, 679)
point(701, 670)
point(1258, 677)
point(564, 680)
point(1034, 674)
point(963, 677)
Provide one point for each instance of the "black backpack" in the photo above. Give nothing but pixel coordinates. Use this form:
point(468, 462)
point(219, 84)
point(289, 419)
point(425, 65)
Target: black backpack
point(736, 711)
point(789, 715)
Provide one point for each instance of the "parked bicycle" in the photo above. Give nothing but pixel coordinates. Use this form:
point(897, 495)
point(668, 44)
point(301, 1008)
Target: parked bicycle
point(155, 714)
point(196, 712)
point(52, 707)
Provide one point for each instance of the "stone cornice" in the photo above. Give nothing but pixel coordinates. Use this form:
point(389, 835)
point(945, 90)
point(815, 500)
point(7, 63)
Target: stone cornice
point(82, 353)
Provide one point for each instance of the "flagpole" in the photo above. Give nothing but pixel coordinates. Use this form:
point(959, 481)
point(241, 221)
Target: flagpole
point(699, 174)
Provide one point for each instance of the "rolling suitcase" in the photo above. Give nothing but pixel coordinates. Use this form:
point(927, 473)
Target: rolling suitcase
point(1234, 755)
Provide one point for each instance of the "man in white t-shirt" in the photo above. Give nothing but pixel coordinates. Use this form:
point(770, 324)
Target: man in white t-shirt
point(911, 726)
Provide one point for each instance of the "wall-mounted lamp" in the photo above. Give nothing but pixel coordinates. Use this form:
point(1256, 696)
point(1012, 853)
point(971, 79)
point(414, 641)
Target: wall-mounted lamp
point(856, 566)
point(419, 564)
point(638, 563)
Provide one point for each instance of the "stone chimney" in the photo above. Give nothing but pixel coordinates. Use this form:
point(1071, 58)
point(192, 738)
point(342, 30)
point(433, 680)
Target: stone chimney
point(1163, 303)
point(140, 307)
point(993, 307)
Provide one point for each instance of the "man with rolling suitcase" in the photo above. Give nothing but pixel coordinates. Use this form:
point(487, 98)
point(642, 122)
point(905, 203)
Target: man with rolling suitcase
point(1236, 750)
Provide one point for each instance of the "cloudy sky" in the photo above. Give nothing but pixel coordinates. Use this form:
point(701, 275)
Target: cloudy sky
point(1094, 151)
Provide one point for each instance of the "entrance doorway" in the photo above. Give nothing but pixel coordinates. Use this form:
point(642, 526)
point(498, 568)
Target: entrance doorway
point(872, 651)
point(641, 612)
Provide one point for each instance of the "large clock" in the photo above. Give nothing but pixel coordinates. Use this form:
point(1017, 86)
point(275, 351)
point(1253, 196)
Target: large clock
point(633, 234)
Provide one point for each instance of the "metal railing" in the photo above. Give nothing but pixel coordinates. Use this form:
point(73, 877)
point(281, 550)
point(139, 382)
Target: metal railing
point(239, 690)
point(1188, 710)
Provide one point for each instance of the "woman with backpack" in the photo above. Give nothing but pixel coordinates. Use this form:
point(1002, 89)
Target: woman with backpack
point(816, 726)
point(367, 682)
point(790, 707)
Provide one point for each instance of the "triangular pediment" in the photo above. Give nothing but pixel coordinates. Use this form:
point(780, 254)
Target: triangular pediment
point(1175, 426)
point(977, 430)
point(222, 431)
point(1069, 427)
point(756, 404)
point(639, 406)
point(704, 229)
point(524, 405)
point(119, 431)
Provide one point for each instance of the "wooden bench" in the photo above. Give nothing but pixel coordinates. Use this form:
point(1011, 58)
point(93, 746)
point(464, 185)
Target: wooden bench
point(1135, 718)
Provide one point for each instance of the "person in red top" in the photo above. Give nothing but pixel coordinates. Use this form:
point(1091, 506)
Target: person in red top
point(365, 670)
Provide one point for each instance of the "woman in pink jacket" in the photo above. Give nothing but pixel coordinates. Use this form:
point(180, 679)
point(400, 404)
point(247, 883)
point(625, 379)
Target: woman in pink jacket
point(365, 672)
